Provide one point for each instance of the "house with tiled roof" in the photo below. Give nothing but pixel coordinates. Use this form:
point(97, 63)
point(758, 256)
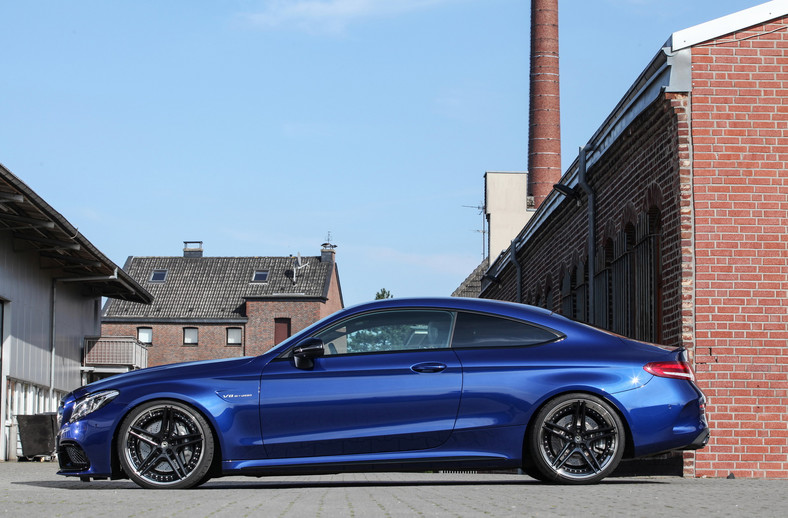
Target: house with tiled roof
point(222, 307)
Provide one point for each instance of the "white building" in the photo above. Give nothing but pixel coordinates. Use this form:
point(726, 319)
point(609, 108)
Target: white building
point(52, 280)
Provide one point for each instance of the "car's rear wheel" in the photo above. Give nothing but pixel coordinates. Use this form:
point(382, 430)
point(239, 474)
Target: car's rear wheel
point(166, 444)
point(575, 439)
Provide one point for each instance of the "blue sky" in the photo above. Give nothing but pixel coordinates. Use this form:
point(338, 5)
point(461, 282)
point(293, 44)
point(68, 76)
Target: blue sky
point(259, 126)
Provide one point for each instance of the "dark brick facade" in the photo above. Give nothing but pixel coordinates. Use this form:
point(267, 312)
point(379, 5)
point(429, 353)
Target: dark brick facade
point(702, 174)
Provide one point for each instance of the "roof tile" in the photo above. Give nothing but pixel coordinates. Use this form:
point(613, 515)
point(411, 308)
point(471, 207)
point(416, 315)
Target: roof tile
point(216, 287)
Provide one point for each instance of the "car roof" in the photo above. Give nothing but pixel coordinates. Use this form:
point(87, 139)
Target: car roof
point(498, 307)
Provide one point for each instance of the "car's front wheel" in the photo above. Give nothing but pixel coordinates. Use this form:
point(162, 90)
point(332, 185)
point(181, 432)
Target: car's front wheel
point(575, 439)
point(165, 444)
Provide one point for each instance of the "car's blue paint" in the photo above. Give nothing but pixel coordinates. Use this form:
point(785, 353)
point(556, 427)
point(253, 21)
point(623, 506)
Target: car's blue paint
point(422, 409)
point(359, 404)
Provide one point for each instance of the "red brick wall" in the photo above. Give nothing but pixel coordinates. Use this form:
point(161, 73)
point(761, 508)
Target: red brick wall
point(334, 298)
point(740, 138)
point(261, 315)
point(258, 333)
point(167, 346)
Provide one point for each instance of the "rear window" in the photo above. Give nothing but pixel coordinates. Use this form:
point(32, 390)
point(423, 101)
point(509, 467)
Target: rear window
point(477, 330)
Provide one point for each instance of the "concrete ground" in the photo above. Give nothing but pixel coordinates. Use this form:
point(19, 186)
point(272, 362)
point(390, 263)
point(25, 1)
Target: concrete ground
point(32, 489)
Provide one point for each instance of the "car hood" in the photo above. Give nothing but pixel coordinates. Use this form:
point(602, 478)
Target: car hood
point(163, 372)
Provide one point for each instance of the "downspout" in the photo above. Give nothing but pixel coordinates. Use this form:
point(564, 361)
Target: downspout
point(52, 345)
point(519, 276)
point(591, 216)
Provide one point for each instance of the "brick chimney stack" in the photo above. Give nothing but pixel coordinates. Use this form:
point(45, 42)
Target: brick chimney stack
point(192, 249)
point(544, 124)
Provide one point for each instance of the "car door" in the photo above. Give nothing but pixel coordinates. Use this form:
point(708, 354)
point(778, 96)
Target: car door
point(503, 368)
point(388, 382)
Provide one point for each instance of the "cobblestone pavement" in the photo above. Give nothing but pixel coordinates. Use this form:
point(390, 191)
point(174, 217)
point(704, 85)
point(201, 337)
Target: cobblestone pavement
point(32, 489)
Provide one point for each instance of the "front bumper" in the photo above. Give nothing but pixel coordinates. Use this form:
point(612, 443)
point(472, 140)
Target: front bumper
point(84, 447)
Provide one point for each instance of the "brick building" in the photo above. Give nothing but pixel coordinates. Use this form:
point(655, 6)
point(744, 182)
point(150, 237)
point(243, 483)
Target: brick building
point(672, 226)
point(222, 307)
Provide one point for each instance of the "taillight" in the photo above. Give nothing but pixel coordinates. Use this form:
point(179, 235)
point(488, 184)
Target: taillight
point(676, 370)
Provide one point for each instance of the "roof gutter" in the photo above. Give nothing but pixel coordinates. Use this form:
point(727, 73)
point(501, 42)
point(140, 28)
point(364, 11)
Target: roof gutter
point(26, 195)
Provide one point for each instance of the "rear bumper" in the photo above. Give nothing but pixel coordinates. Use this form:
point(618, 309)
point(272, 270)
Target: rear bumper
point(700, 441)
point(666, 414)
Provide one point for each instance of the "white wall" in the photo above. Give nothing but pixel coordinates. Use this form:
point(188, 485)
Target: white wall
point(505, 206)
point(26, 292)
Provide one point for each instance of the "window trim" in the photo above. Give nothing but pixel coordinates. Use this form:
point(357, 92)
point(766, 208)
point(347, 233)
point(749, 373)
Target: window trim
point(227, 342)
point(158, 271)
point(191, 344)
point(151, 335)
point(264, 273)
point(558, 335)
point(451, 312)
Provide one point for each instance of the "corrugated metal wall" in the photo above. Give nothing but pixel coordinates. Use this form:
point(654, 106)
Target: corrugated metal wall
point(27, 291)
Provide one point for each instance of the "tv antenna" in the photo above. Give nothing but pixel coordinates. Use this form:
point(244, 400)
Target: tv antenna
point(328, 245)
point(297, 265)
point(483, 231)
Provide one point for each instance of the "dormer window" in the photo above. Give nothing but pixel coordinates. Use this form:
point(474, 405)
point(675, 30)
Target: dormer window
point(260, 276)
point(158, 276)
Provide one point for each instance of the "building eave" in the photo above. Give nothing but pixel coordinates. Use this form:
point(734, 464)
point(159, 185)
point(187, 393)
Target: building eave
point(728, 24)
point(61, 247)
point(174, 320)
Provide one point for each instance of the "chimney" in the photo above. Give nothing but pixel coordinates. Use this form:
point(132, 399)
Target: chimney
point(327, 252)
point(544, 124)
point(192, 249)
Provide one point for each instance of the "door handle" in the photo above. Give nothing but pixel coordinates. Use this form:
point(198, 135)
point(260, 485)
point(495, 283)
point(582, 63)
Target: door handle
point(428, 367)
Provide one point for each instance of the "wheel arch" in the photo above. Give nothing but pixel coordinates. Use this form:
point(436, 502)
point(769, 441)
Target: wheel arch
point(614, 404)
point(216, 463)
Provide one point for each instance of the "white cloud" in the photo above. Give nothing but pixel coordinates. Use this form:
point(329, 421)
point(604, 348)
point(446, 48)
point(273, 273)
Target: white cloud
point(332, 16)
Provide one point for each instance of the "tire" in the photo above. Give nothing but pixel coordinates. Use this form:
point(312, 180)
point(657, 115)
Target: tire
point(166, 445)
point(575, 439)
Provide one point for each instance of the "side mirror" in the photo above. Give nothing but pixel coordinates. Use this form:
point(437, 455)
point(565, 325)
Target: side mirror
point(304, 354)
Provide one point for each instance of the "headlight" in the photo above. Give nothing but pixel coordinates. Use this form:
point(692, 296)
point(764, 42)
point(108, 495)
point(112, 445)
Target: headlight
point(91, 403)
point(60, 409)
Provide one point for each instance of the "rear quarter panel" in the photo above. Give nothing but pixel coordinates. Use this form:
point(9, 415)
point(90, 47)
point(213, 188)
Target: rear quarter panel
point(504, 387)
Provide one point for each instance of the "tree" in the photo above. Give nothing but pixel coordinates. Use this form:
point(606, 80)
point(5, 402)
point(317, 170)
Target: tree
point(383, 294)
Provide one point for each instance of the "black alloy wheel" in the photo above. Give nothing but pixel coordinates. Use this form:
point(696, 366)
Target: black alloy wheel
point(166, 444)
point(575, 439)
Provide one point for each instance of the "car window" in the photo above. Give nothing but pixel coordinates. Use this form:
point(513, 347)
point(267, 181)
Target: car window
point(477, 330)
point(400, 330)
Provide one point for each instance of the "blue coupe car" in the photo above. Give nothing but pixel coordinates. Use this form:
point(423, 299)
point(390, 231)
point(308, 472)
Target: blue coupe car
point(394, 385)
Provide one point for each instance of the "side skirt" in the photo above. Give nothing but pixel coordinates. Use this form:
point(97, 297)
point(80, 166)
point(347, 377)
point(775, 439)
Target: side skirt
point(366, 463)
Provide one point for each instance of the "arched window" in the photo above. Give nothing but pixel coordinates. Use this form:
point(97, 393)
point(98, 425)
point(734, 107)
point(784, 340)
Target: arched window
point(603, 300)
point(581, 293)
point(622, 281)
point(648, 278)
